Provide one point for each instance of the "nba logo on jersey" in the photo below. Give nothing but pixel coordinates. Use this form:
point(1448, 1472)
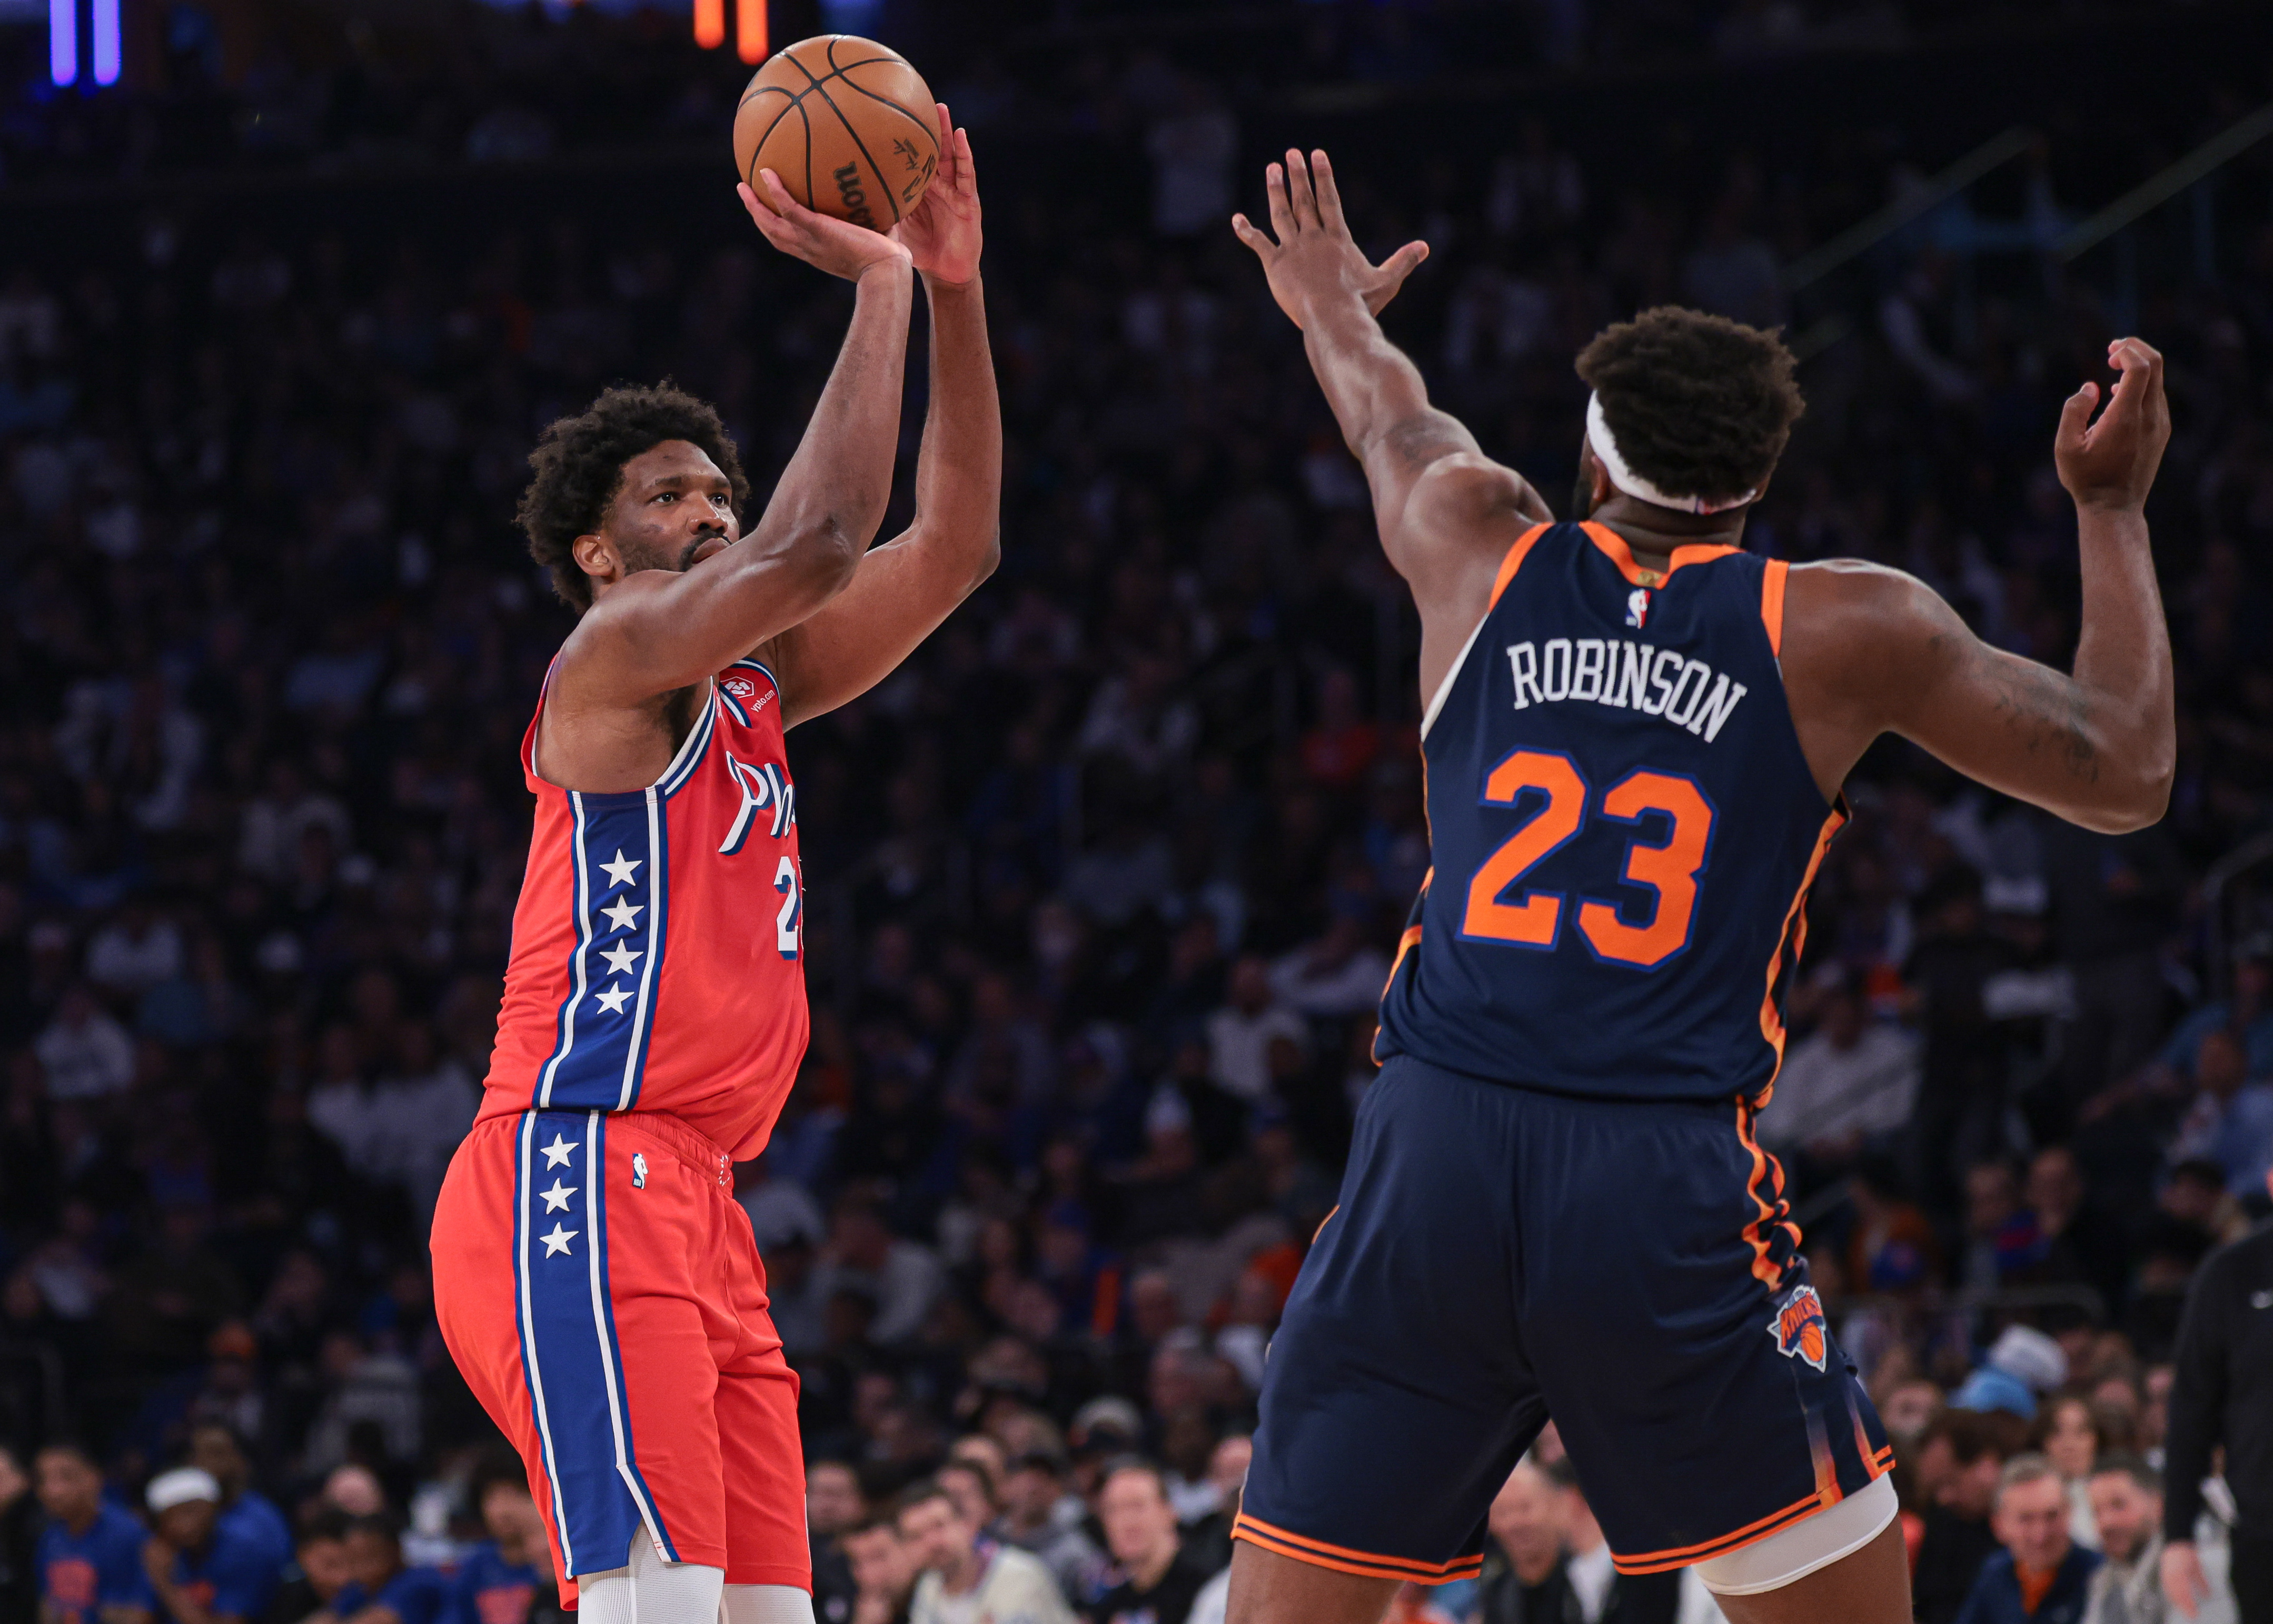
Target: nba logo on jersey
point(639, 1171)
point(1638, 606)
point(1798, 1328)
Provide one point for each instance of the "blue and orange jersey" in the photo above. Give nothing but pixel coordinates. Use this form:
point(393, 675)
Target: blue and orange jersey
point(657, 947)
point(1623, 829)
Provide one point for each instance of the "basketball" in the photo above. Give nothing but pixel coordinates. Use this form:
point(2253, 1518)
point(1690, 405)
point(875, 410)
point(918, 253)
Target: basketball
point(847, 124)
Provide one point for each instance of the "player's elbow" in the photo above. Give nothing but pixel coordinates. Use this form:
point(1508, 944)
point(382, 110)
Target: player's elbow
point(2134, 798)
point(828, 551)
point(989, 559)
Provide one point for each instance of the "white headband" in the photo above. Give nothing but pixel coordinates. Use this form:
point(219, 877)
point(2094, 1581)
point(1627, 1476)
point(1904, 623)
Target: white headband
point(1625, 478)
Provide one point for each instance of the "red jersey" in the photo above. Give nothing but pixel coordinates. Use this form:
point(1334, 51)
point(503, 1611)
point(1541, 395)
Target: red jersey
point(657, 946)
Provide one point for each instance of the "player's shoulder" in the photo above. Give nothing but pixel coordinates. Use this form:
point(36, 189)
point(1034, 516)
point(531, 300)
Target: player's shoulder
point(1849, 607)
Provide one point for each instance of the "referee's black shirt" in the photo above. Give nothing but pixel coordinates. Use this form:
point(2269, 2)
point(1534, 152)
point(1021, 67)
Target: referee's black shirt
point(2223, 1393)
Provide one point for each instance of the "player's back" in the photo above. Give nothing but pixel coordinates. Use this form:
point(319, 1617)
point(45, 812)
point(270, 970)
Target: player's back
point(1623, 826)
point(657, 942)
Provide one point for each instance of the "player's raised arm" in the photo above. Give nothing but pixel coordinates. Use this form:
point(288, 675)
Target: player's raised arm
point(1447, 514)
point(659, 629)
point(903, 589)
point(1879, 651)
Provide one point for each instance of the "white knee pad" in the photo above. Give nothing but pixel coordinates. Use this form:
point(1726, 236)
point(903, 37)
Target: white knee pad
point(650, 1590)
point(767, 1604)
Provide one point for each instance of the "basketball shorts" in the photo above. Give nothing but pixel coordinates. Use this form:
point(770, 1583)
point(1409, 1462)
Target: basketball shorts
point(602, 1293)
point(1502, 1256)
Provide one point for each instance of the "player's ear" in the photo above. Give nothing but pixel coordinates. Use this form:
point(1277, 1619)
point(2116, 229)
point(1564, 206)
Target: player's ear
point(597, 557)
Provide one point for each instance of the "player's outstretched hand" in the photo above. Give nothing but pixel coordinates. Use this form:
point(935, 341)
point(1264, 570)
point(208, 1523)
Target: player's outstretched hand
point(943, 233)
point(1314, 255)
point(822, 241)
point(2112, 463)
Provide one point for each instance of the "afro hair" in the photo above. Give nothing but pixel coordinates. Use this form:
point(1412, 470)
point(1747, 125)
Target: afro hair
point(1700, 405)
point(578, 466)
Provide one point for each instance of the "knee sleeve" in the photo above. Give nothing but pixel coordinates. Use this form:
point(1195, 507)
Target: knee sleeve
point(650, 1590)
point(767, 1604)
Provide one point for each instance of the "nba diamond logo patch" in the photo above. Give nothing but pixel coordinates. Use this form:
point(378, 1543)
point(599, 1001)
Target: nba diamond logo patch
point(1799, 1328)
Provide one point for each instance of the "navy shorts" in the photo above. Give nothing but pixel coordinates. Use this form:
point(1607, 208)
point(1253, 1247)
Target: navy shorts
point(1502, 1256)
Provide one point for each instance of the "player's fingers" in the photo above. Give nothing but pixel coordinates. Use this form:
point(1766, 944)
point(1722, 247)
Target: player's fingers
point(966, 173)
point(1329, 195)
point(1406, 260)
point(755, 204)
point(1242, 228)
point(2076, 415)
point(1298, 190)
point(779, 198)
point(1282, 215)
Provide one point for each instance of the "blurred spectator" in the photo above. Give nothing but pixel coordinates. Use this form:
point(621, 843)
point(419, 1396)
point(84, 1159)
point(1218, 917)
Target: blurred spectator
point(2022, 1364)
point(2221, 1397)
point(200, 1573)
point(2067, 1435)
point(967, 1578)
point(1959, 1464)
point(499, 1580)
point(2126, 1508)
point(383, 1590)
point(2230, 1121)
point(1041, 1516)
point(883, 1570)
point(1597, 1592)
point(1849, 1086)
point(1241, 1034)
point(245, 1514)
point(2040, 1577)
point(902, 1277)
point(1156, 1582)
point(834, 1505)
point(1522, 1580)
point(321, 1571)
point(19, 1543)
point(91, 1567)
point(85, 1053)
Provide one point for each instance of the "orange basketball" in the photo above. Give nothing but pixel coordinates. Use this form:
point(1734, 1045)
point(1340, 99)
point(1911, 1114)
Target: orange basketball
point(848, 126)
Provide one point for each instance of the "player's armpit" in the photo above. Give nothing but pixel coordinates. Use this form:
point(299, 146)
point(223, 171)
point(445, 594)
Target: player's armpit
point(1870, 650)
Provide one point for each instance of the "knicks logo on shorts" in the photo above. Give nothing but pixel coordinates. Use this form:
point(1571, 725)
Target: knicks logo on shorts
point(1799, 1328)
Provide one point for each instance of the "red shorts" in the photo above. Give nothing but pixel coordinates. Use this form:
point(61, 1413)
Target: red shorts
point(615, 1328)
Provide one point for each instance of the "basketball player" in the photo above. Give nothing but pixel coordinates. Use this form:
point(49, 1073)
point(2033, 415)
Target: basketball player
point(597, 1284)
point(1634, 739)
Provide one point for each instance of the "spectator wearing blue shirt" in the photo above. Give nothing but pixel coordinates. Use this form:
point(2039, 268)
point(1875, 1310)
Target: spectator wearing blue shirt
point(2041, 1576)
point(385, 1591)
point(200, 1572)
point(501, 1579)
point(244, 1513)
point(91, 1555)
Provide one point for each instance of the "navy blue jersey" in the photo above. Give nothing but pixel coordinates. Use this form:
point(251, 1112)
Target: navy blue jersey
point(1623, 829)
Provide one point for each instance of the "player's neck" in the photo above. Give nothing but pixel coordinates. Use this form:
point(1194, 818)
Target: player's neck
point(1652, 533)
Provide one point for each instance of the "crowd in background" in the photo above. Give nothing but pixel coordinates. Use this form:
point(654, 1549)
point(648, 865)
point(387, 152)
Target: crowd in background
point(1103, 883)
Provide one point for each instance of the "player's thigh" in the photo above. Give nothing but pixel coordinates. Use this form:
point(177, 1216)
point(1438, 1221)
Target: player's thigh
point(1269, 1588)
point(1395, 1397)
point(1689, 1367)
point(1869, 1586)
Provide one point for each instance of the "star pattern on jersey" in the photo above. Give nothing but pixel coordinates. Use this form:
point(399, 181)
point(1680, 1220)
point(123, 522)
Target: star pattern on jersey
point(620, 958)
point(614, 999)
point(557, 1153)
point(556, 1242)
point(621, 871)
point(622, 913)
point(556, 1199)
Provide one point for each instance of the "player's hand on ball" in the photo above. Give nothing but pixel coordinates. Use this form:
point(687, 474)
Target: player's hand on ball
point(836, 246)
point(2112, 463)
point(1314, 256)
point(943, 234)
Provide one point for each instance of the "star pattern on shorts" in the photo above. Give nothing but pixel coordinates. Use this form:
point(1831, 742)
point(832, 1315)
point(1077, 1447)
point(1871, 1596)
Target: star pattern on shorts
point(620, 958)
point(557, 1153)
point(623, 914)
point(556, 1199)
point(556, 1242)
point(612, 999)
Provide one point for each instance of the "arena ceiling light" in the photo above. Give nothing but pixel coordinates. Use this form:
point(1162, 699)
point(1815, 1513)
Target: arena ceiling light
point(63, 40)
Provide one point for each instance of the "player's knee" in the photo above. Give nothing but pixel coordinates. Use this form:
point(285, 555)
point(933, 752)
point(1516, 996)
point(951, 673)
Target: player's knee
point(1269, 1588)
point(767, 1604)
